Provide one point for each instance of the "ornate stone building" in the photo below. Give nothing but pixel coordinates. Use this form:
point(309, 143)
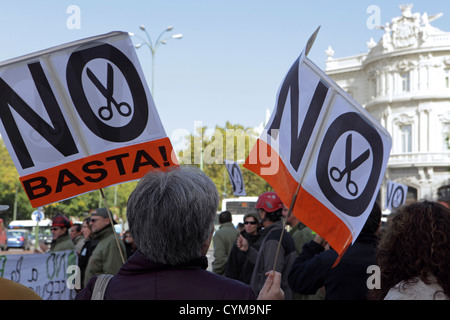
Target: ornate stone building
point(404, 82)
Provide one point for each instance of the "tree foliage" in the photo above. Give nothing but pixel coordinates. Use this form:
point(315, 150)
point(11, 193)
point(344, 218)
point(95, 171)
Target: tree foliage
point(232, 142)
point(11, 191)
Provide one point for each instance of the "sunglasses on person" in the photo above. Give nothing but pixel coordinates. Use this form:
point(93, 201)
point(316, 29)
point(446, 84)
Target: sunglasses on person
point(251, 222)
point(55, 228)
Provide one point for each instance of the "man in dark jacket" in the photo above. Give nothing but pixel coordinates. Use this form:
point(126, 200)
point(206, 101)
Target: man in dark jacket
point(171, 216)
point(270, 210)
point(346, 281)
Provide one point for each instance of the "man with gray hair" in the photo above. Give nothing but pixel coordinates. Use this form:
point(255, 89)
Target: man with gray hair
point(171, 216)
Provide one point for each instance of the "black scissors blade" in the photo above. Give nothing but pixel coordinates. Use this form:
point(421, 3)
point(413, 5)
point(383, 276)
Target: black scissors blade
point(348, 151)
point(359, 161)
point(349, 164)
point(97, 83)
point(110, 82)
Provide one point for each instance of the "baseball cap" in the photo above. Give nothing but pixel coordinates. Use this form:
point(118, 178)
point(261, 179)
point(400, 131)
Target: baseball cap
point(102, 212)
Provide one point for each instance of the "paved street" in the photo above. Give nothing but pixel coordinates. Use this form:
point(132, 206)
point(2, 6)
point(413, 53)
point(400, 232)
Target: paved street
point(14, 251)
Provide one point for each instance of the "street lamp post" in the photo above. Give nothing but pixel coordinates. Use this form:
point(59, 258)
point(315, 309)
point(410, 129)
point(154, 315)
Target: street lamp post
point(148, 42)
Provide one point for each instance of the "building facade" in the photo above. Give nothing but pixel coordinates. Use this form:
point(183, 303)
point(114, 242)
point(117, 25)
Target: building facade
point(404, 82)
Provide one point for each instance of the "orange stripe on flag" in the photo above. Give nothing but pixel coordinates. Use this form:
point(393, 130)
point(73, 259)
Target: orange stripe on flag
point(97, 171)
point(265, 162)
point(323, 221)
point(307, 208)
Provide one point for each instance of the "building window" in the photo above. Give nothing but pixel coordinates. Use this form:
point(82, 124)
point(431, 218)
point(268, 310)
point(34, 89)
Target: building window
point(446, 136)
point(405, 81)
point(443, 194)
point(406, 138)
point(411, 195)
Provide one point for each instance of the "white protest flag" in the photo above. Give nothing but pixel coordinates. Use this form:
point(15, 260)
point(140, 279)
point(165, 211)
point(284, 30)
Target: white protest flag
point(236, 178)
point(322, 144)
point(80, 117)
point(395, 195)
point(53, 276)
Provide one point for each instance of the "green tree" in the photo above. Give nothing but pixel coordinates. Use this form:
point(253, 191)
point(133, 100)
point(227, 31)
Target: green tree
point(11, 191)
point(208, 149)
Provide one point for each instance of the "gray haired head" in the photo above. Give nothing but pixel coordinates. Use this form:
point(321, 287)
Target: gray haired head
point(171, 214)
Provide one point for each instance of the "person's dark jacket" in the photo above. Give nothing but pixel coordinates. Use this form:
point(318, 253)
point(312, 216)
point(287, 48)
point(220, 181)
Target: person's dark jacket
point(265, 257)
point(238, 266)
point(141, 279)
point(346, 281)
point(83, 258)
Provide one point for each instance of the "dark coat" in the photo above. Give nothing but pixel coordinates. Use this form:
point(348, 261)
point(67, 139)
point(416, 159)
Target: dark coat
point(83, 257)
point(265, 257)
point(238, 266)
point(346, 281)
point(141, 279)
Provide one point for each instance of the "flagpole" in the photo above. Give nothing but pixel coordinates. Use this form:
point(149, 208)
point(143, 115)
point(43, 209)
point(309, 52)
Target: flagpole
point(112, 225)
point(294, 198)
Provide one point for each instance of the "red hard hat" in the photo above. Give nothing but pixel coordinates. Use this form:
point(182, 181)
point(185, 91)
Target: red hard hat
point(269, 202)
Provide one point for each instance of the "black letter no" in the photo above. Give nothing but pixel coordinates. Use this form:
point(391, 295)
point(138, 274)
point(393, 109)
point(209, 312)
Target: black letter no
point(299, 141)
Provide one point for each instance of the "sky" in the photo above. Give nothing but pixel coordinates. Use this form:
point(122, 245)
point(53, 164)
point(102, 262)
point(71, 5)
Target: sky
point(232, 57)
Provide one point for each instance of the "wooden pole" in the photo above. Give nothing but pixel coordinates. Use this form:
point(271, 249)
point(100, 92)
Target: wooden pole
point(112, 225)
point(294, 198)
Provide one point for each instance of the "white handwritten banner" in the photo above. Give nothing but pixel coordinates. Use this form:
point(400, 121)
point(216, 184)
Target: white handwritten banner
point(46, 274)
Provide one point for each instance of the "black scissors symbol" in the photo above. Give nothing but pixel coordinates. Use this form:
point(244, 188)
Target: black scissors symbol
point(106, 112)
point(337, 175)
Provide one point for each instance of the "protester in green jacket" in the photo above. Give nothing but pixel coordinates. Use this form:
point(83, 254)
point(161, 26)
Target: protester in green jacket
point(223, 242)
point(106, 257)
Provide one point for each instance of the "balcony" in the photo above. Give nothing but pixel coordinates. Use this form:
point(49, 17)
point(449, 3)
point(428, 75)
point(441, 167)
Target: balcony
point(419, 159)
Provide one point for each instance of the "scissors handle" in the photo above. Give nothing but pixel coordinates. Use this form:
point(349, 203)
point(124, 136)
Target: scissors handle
point(127, 107)
point(336, 174)
point(105, 112)
point(352, 188)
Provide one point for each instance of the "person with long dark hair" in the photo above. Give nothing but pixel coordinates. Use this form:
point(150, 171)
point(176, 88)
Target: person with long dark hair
point(414, 254)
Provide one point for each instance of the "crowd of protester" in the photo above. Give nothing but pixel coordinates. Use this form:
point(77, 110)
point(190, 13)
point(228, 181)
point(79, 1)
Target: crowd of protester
point(171, 216)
